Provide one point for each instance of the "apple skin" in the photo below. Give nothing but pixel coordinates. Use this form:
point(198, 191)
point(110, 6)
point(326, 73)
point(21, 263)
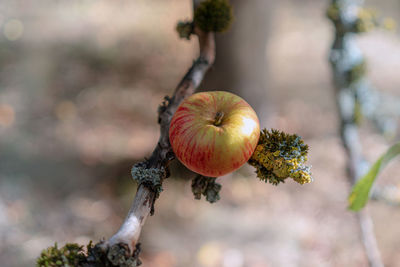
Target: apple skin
point(214, 133)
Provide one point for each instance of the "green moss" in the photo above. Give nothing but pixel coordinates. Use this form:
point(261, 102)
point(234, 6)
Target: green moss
point(333, 12)
point(213, 15)
point(119, 255)
point(69, 255)
point(73, 255)
point(279, 156)
point(185, 29)
point(357, 72)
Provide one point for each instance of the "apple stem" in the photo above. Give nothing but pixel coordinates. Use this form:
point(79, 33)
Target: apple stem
point(218, 118)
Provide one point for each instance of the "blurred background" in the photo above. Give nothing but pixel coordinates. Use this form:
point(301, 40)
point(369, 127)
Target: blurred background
point(80, 83)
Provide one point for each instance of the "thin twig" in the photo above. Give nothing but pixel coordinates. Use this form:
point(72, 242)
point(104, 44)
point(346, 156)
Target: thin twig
point(144, 199)
point(346, 58)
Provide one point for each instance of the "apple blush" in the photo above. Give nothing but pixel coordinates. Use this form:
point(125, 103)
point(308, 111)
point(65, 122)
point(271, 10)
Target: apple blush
point(214, 133)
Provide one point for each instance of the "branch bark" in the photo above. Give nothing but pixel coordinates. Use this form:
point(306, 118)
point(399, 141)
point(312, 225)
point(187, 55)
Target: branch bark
point(390, 194)
point(143, 202)
point(346, 58)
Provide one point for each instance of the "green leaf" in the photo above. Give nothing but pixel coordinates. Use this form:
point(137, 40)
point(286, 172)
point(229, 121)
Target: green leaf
point(360, 192)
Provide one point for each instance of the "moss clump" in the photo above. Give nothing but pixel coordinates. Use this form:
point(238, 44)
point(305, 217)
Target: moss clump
point(69, 255)
point(278, 156)
point(185, 29)
point(206, 186)
point(152, 178)
point(333, 12)
point(356, 72)
point(73, 255)
point(213, 15)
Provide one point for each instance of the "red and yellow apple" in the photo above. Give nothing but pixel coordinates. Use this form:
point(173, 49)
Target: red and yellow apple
point(214, 133)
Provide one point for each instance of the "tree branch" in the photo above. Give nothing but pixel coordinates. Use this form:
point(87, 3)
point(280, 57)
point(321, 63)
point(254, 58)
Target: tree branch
point(390, 194)
point(143, 202)
point(347, 61)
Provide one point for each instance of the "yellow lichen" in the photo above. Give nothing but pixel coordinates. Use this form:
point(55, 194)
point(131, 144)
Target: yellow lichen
point(367, 20)
point(279, 156)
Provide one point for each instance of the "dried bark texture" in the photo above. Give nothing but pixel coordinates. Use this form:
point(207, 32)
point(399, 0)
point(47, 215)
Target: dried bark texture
point(347, 60)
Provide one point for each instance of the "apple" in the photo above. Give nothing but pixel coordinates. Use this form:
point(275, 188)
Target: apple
point(214, 133)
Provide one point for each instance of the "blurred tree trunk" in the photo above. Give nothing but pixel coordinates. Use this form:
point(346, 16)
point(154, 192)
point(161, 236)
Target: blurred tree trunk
point(241, 65)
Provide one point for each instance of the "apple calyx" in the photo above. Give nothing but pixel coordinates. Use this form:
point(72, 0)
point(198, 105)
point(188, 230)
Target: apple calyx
point(278, 156)
point(218, 118)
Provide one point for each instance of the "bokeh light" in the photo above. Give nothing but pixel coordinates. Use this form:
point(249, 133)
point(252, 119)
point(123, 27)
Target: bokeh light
point(13, 29)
